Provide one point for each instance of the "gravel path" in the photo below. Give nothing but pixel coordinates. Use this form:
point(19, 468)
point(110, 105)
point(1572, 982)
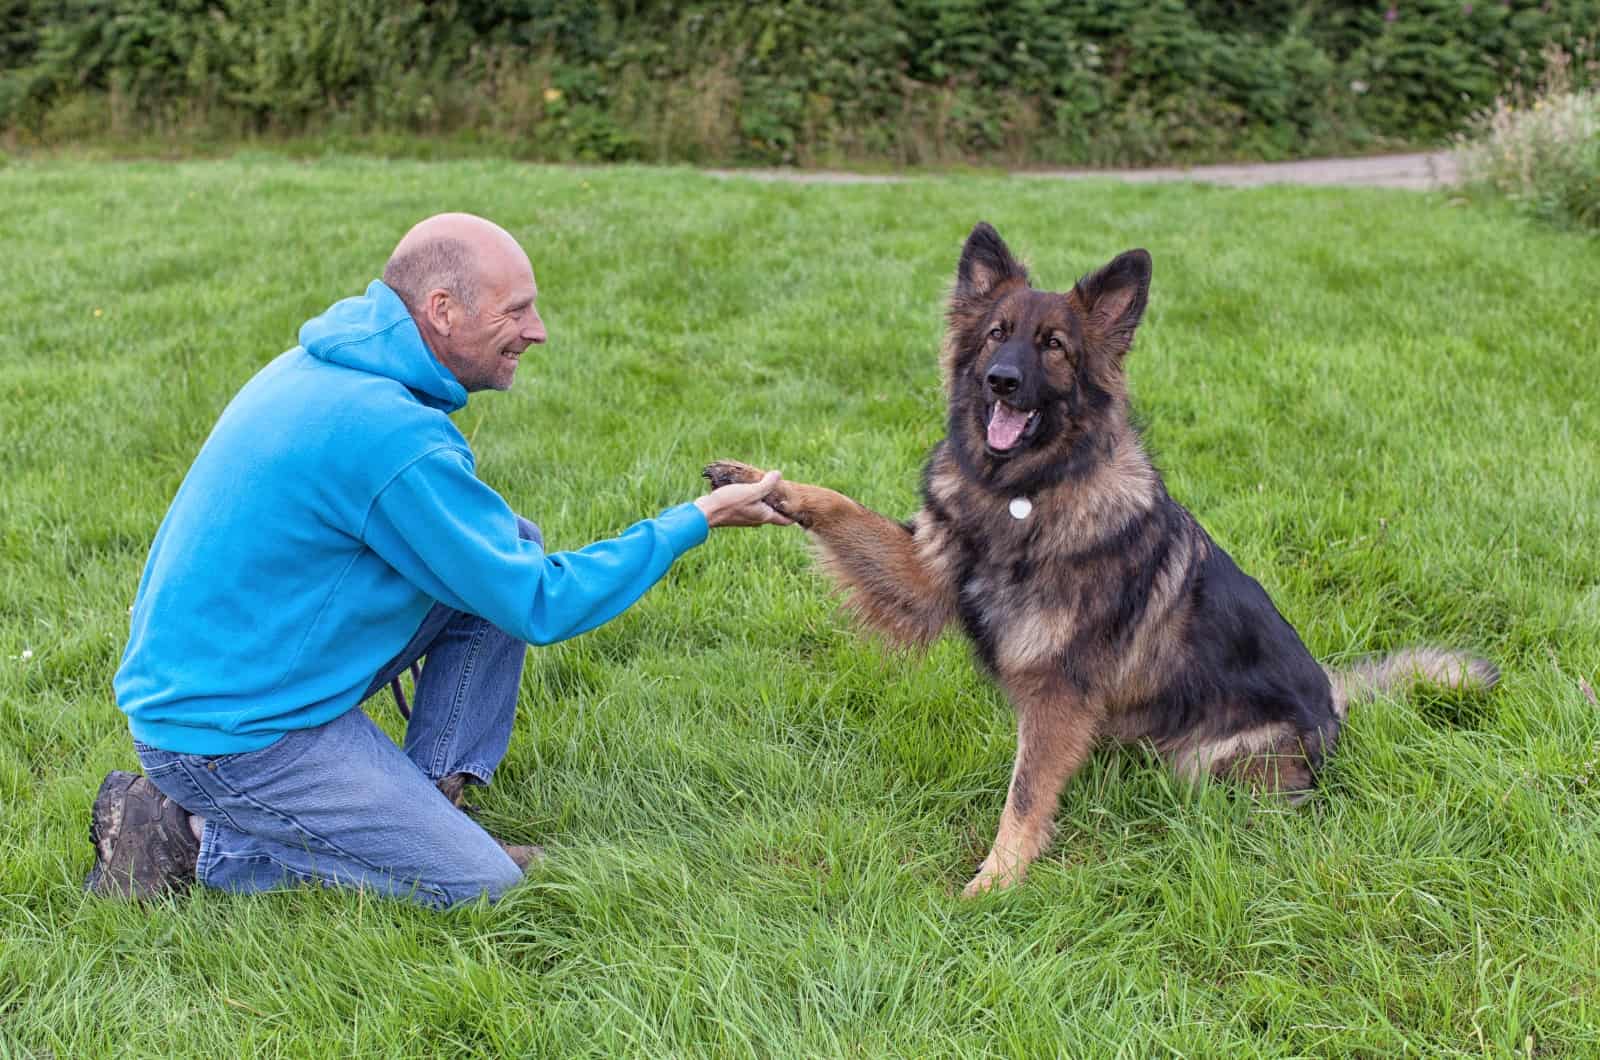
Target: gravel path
point(1419, 172)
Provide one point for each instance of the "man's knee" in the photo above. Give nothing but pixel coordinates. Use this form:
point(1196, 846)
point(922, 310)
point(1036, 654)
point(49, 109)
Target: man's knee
point(491, 877)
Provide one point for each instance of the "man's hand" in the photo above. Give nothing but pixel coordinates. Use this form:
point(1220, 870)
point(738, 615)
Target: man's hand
point(742, 504)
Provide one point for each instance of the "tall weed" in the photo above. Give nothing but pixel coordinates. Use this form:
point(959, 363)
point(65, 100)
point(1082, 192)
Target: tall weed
point(1543, 152)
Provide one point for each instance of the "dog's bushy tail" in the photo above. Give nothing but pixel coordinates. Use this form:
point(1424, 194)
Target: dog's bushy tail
point(1408, 668)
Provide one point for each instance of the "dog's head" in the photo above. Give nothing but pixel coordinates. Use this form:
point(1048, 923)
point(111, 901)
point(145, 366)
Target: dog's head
point(1034, 377)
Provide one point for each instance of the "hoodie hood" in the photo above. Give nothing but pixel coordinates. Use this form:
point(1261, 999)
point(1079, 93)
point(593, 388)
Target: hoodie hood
point(375, 333)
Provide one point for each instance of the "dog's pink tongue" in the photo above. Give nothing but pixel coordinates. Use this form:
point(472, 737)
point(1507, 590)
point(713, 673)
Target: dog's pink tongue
point(1006, 425)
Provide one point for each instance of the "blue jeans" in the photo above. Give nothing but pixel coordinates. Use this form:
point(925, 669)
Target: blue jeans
point(340, 805)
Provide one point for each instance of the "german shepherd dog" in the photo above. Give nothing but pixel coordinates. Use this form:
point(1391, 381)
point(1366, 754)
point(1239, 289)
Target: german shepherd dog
point(1098, 603)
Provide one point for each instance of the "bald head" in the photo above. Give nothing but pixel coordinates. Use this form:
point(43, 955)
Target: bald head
point(450, 252)
point(470, 289)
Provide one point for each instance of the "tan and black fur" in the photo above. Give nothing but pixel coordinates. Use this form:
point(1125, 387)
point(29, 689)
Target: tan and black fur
point(1106, 612)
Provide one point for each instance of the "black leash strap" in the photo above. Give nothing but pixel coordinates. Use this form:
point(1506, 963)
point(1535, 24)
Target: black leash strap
point(400, 693)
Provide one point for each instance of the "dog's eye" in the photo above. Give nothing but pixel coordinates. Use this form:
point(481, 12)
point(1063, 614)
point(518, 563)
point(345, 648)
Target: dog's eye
point(1055, 343)
point(997, 333)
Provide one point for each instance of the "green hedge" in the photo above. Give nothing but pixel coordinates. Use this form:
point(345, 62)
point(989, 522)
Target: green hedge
point(807, 81)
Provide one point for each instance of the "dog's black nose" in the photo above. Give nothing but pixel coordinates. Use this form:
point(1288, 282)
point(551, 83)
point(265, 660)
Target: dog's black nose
point(1003, 379)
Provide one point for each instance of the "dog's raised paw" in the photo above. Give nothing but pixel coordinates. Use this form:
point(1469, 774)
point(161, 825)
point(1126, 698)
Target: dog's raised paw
point(722, 473)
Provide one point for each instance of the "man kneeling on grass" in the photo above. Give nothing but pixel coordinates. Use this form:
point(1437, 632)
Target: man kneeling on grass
point(329, 535)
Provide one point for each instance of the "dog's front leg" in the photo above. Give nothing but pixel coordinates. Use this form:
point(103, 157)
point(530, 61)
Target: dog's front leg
point(1055, 733)
point(896, 577)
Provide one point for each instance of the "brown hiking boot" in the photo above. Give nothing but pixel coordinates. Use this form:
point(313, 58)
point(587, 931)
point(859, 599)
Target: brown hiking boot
point(142, 843)
point(454, 788)
point(523, 855)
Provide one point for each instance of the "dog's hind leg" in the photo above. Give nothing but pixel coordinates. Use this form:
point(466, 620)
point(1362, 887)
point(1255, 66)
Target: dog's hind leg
point(896, 576)
point(1269, 759)
point(1055, 734)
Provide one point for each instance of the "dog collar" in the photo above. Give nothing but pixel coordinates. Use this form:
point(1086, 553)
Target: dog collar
point(1020, 507)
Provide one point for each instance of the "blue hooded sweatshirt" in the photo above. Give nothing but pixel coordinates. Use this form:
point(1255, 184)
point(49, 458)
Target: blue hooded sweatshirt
point(332, 505)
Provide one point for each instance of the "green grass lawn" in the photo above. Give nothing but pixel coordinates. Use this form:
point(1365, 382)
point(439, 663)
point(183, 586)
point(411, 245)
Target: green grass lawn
point(1383, 405)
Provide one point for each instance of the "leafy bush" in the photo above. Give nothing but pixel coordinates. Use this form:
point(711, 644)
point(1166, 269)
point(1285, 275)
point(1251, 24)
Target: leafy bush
point(799, 81)
point(1426, 66)
point(1543, 155)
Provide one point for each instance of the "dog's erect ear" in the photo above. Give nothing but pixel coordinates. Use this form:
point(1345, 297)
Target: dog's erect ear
point(986, 264)
point(1113, 298)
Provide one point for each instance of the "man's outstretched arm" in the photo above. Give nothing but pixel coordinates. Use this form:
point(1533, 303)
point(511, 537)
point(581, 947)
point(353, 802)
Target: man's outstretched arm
point(456, 539)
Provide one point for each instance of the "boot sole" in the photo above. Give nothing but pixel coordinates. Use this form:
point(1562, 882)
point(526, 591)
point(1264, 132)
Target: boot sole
point(116, 872)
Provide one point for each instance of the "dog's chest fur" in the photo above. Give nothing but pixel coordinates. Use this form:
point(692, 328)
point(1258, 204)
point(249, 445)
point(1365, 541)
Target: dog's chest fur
point(1037, 590)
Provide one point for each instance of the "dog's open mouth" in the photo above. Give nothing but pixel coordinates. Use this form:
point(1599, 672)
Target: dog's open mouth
point(1009, 426)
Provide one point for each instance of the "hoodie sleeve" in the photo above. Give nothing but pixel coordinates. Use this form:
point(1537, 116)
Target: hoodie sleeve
point(456, 539)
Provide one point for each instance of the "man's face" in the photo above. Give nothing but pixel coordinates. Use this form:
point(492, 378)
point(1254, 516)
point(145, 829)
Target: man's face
point(486, 344)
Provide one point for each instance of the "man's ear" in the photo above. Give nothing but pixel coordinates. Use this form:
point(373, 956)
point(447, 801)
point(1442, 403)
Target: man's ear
point(1113, 299)
point(986, 266)
point(437, 306)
